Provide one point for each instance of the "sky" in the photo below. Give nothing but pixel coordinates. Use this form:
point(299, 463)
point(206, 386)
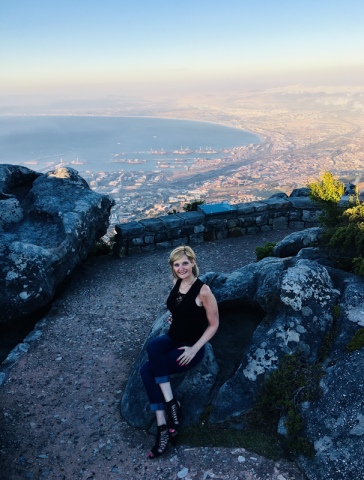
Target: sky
point(125, 47)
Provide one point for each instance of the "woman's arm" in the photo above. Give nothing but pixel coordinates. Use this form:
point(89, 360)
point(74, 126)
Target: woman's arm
point(210, 305)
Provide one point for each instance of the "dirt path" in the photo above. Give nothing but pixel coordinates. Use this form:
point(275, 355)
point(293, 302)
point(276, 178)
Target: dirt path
point(60, 406)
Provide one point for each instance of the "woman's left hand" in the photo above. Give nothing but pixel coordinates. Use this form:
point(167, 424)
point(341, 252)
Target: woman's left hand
point(188, 354)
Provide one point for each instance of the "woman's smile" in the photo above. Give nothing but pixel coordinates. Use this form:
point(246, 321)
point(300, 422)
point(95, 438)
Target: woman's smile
point(183, 267)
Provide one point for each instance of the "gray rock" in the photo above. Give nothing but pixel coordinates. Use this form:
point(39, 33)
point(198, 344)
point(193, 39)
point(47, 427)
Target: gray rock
point(276, 203)
point(152, 224)
point(244, 208)
point(10, 212)
point(196, 238)
point(32, 336)
point(130, 229)
point(199, 228)
point(2, 378)
point(335, 423)
point(172, 221)
point(294, 242)
point(193, 388)
point(300, 192)
point(302, 203)
point(351, 316)
point(149, 239)
point(279, 195)
point(317, 255)
point(282, 429)
point(300, 300)
point(13, 356)
point(60, 220)
point(310, 216)
point(259, 206)
point(280, 223)
point(350, 189)
point(191, 218)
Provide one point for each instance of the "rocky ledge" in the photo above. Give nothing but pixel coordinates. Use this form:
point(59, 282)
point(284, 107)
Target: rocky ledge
point(48, 224)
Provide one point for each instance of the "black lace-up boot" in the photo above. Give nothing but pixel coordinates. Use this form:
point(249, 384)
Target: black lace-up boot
point(174, 415)
point(161, 442)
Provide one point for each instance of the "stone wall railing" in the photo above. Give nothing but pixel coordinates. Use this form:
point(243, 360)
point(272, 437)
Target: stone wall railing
point(214, 222)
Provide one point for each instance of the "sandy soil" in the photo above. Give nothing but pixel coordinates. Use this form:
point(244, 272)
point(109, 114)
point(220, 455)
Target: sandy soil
point(60, 406)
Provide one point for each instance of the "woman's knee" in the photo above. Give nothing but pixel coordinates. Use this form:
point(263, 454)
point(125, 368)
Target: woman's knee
point(156, 345)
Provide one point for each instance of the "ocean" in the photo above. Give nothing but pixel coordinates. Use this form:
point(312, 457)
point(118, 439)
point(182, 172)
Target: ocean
point(111, 143)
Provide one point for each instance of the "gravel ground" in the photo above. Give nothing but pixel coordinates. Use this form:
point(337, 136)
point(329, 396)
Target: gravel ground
point(60, 406)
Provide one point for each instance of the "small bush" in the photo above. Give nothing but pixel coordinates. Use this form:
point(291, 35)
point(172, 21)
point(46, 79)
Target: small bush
point(101, 248)
point(326, 193)
point(192, 207)
point(358, 266)
point(266, 251)
point(350, 237)
point(356, 342)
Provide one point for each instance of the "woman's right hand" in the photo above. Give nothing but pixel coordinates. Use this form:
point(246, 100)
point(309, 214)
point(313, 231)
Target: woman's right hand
point(170, 319)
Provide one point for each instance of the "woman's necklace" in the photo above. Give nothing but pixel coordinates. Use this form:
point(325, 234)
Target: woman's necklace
point(188, 284)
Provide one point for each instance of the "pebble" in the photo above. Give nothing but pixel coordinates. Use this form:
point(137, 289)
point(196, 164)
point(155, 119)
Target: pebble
point(182, 473)
point(241, 459)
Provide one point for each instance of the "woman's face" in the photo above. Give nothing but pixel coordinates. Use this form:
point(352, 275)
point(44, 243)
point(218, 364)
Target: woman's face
point(183, 267)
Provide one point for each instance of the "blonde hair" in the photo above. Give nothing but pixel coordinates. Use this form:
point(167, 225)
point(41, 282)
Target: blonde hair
point(178, 253)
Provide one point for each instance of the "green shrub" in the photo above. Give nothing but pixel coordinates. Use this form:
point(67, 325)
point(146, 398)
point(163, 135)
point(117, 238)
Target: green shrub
point(358, 266)
point(356, 342)
point(192, 207)
point(350, 237)
point(266, 251)
point(326, 193)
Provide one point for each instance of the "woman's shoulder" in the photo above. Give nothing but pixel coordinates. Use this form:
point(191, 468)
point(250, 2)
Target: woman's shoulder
point(204, 289)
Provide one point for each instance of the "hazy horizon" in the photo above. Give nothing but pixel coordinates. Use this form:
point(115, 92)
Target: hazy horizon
point(161, 49)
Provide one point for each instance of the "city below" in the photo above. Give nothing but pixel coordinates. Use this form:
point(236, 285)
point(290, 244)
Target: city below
point(302, 135)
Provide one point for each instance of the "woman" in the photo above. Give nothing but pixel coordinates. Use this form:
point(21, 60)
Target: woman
point(193, 321)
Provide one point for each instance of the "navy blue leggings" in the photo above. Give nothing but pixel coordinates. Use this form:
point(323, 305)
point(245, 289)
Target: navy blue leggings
point(162, 354)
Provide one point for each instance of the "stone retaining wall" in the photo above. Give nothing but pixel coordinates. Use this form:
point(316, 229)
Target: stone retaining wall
point(214, 222)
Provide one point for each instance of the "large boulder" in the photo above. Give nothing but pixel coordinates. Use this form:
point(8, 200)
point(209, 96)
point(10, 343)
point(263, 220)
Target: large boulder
point(294, 242)
point(335, 423)
point(193, 388)
point(297, 296)
point(48, 224)
point(302, 297)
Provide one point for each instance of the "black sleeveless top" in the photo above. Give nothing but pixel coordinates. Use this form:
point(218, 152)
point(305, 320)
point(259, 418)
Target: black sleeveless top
point(189, 320)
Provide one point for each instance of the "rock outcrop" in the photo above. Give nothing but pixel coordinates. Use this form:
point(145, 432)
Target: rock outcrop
point(298, 297)
point(335, 423)
point(48, 224)
point(293, 243)
point(193, 388)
